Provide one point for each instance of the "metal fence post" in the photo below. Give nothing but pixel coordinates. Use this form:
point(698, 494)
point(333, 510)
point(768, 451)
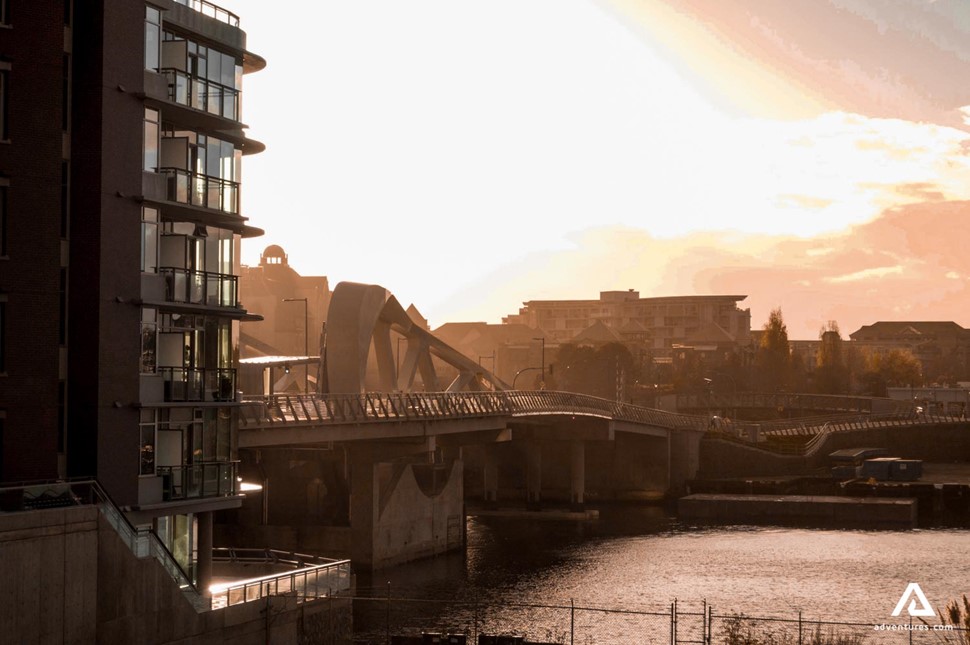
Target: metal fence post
point(387, 614)
point(799, 627)
point(572, 620)
point(710, 624)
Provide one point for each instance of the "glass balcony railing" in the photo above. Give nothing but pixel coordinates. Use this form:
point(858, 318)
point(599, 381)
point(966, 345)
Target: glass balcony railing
point(206, 479)
point(194, 384)
point(186, 187)
point(202, 94)
point(211, 10)
point(200, 287)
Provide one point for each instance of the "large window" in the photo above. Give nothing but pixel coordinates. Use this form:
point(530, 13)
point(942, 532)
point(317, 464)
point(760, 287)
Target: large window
point(152, 132)
point(149, 340)
point(204, 170)
point(4, 188)
point(3, 334)
point(62, 304)
point(149, 239)
point(4, 99)
point(65, 92)
point(201, 77)
point(146, 430)
point(65, 196)
point(153, 37)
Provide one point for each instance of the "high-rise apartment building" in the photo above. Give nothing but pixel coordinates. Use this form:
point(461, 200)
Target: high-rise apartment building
point(120, 224)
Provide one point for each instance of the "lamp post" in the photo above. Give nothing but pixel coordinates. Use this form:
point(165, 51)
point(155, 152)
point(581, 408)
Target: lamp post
point(492, 356)
point(542, 359)
point(306, 340)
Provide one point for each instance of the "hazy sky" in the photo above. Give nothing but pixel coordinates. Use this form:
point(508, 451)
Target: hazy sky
point(470, 154)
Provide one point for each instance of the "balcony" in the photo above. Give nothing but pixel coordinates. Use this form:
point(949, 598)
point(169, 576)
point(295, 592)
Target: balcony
point(186, 187)
point(213, 11)
point(200, 287)
point(202, 94)
point(187, 384)
point(189, 481)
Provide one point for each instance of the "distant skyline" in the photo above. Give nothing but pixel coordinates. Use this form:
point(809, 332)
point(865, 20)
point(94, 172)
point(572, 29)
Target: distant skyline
point(472, 155)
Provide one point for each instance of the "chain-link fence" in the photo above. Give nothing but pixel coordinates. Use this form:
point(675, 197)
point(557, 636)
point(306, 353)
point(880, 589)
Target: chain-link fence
point(391, 620)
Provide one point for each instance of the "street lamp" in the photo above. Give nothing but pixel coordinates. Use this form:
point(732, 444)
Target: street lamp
point(492, 356)
point(306, 340)
point(542, 364)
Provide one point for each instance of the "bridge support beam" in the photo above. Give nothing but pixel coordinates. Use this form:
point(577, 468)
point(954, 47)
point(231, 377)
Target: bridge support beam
point(490, 477)
point(577, 474)
point(404, 511)
point(204, 545)
point(684, 458)
point(533, 475)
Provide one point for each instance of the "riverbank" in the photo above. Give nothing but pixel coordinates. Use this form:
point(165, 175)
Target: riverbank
point(942, 493)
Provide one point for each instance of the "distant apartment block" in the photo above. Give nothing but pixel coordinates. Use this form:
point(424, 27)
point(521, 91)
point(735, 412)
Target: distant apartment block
point(662, 323)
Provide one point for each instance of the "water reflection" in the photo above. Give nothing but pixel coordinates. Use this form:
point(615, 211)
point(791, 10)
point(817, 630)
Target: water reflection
point(642, 559)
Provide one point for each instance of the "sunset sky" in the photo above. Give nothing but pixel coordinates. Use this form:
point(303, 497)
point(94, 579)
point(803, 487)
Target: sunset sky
point(470, 155)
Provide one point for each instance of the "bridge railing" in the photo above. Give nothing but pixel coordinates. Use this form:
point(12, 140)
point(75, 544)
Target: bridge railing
point(757, 435)
point(317, 409)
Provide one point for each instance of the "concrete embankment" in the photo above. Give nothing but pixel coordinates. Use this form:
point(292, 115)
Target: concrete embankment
point(806, 510)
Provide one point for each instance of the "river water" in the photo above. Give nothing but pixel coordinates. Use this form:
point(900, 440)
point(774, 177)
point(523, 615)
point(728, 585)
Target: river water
point(641, 559)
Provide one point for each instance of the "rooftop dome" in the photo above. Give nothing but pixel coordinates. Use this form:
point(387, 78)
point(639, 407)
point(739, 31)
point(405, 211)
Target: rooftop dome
point(273, 254)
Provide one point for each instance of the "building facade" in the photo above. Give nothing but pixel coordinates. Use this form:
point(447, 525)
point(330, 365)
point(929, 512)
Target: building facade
point(119, 312)
point(941, 347)
point(663, 322)
point(293, 307)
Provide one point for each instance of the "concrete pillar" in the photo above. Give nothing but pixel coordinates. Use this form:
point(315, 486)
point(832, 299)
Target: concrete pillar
point(490, 483)
point(362, 510)
point(533, 475)
point(685, 450)
point(577, 474)
point(204, 565)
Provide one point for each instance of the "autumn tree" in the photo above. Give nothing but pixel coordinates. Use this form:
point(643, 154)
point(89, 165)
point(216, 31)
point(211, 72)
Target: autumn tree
point(831, 370)
point(895, 368)
point(586, 370)
point(773, 360)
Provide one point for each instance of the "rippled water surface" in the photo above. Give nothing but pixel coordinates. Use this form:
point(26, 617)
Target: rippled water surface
point(639, 558)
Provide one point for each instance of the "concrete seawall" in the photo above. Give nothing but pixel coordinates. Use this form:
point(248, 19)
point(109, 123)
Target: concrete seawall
point(805, 510)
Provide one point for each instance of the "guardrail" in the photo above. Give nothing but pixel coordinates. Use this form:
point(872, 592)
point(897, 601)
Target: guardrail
point(771, 400)
point(184, 384)
point(196, 189)
point(326, 409)
point(200, 287)
point(142, 542)
point(213, 11)
point(321, 579)
point(201, 93)
point(191, 481)
point(753, 434)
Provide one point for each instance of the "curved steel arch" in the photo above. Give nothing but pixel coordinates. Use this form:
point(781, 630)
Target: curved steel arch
point(364, 314)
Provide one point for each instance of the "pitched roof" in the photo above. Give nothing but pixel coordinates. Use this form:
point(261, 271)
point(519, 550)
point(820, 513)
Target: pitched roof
point(913, 330)
point(709, 332)
point(597, 333)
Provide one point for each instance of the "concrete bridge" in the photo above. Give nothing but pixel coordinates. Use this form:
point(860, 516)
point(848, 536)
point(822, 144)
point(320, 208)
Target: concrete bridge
point(402, 460)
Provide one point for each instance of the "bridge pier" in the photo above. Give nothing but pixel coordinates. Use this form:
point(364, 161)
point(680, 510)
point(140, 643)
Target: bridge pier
point(533, 475)
point(684, 448)
point(577, 474)
point(402, 511)
point(489, 476)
